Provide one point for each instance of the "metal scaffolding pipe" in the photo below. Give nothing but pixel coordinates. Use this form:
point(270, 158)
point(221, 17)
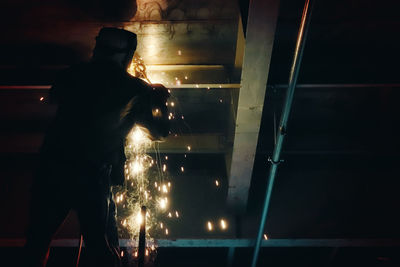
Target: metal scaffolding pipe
point(142, 238)
point(294, 73)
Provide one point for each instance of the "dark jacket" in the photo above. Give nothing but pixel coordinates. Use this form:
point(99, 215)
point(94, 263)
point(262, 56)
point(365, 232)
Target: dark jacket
point(95, 113)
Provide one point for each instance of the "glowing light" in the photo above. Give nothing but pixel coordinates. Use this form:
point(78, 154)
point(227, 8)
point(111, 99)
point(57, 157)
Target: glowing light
point(139, 139)
point(172, 104)
point(220, 101)
point(183, 117)
point(179, 53)
point(265, 237)
point(209, 226)
point(197, 86)
point(208, 87)
point(166, 231)
point(163, 203)
point(41, 99)
point(156, 112)
point(161, 225)
point(165, 189)
point(169, 184)
point(216, 182)
point(147, 252)
point(136, 254)
point(166, 157)
point(164, 168)
point(189, 148)
point(137, 167)
point(176, 214)
point(122, 253)
point(155, 184)
point(186, 77)
point(139, 218)
point(169, 214)
point(223, 224)
point(182, 169)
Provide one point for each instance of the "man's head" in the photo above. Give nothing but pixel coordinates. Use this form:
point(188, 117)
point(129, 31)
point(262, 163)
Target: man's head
point(115, 45)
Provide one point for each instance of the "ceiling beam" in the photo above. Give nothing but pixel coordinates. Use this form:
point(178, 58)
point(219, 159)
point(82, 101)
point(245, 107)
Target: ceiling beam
point(29, 143)
point(257, 56)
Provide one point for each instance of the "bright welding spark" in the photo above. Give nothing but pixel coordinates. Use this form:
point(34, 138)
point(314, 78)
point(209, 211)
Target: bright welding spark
point(163, 203)
point(165, 189)
point(169, 184)
point(137, 167)
point(186, 77)
point(41, 99)
point(176, 214)
point(189, 148)
point(164, 168)
point(182, 169)
point(147, 252)
point(223, 224)
point(209, 226)
point(136, 254)
point(216, 182)
point(169, 214)
point(166, 157)
point(220, 101)
point(166, 231)
point(139, 218)
point(265, 237)
point(122, 253)
point(161, 225)
point(172, 104)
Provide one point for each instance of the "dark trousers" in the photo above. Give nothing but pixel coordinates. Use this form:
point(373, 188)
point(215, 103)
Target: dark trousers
point(60, 187)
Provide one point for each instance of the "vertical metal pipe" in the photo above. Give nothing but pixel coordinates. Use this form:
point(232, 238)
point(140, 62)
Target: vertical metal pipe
point(230, 256)
point(294, 72)
point(142, 238)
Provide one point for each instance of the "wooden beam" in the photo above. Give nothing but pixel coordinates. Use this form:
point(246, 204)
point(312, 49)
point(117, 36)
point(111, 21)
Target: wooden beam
point(257, 56)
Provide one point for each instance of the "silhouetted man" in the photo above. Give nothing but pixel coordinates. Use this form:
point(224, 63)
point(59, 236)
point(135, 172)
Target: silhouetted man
point(83, 152)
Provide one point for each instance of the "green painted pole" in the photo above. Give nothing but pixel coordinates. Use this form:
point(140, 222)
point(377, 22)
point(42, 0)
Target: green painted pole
point(294, 73)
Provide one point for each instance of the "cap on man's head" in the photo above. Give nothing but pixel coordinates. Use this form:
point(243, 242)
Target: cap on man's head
point(116, 40)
